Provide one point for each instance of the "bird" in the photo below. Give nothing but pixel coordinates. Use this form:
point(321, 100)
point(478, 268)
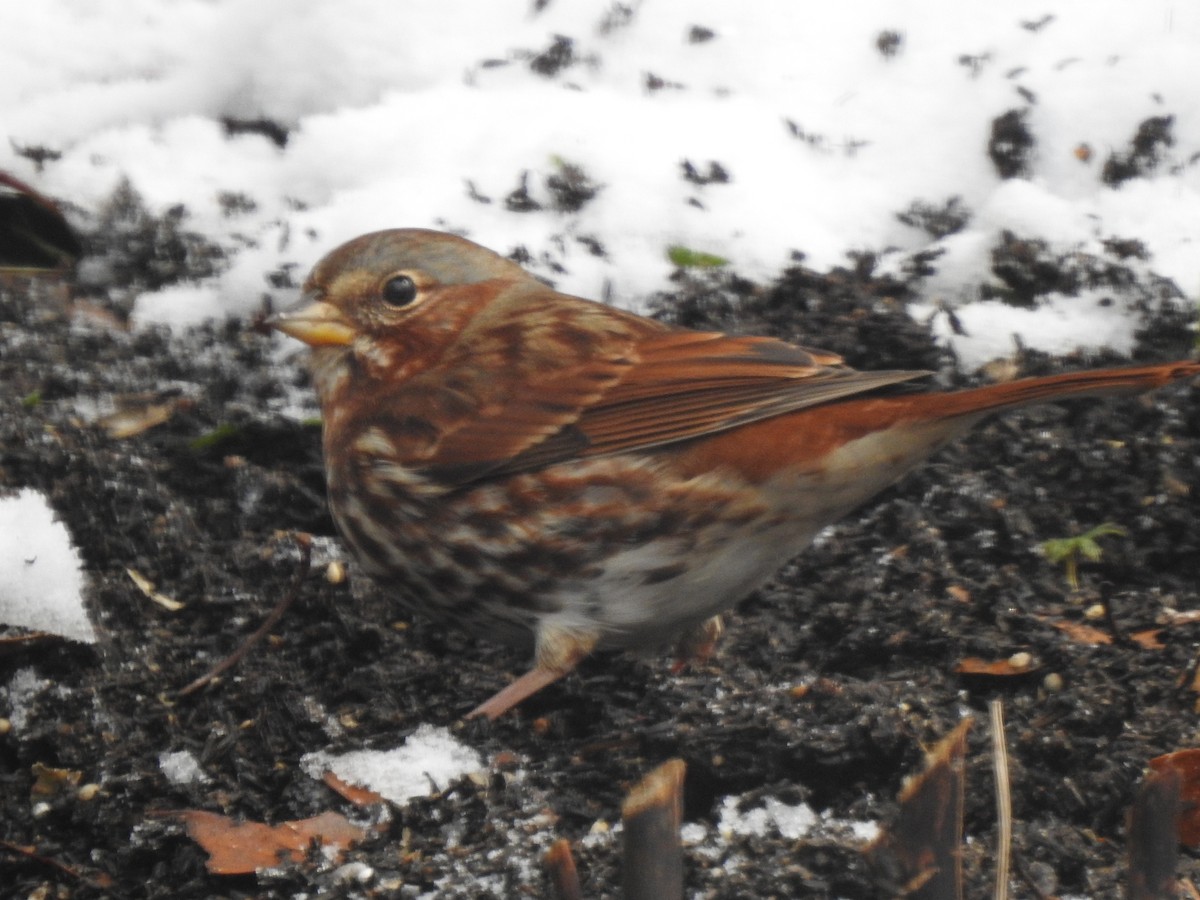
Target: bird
point(566, 476)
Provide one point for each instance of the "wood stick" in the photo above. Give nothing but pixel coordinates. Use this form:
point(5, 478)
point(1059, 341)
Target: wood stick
point(563, 875)
point(304, 543)
point(653, 856)
point(1003, 799)
point(1153, 836)
point(925, 846)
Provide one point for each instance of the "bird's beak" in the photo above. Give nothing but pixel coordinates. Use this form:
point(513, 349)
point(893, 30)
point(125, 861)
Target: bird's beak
point(317, 323)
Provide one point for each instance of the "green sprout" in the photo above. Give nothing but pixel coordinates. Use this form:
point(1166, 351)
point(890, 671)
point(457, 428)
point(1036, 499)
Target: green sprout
point(218, 435)
point(32, 400)
point(1070, 550)
point(695, 259)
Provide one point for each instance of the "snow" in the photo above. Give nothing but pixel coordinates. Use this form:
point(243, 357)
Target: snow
point(41, 579)
point(793, 821)
point(21, 692)
point(428, 761)
point(180, 767)
point(394, 107)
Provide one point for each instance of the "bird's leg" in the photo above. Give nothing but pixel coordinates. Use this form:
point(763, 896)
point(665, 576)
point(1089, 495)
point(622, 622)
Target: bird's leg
point(698, 644)
point(558, 652)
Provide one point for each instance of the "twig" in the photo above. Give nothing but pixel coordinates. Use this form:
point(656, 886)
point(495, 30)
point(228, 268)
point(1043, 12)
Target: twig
point(651, 813)
point(1120, 638)
point(1003, 798)
point(100, 880)
point(563, 876)
point(1153, 836)
point(304, 542)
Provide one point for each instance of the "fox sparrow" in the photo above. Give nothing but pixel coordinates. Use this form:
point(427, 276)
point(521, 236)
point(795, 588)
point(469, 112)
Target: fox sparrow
point(554, 472)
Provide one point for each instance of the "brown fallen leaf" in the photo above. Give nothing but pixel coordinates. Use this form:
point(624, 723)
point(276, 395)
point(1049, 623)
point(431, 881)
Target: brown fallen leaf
point(1017, 664)
point(359, 796)
point(959, 593)
point(1080, 633)
point(146, 586)
point(241, 848)
point(1148, 639)
point(1175, 617)
point(49, 781)
point(137, 414)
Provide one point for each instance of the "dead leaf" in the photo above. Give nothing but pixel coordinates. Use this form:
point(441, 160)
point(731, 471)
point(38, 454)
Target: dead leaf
point(146, 586)
point(49, 781)
point(1148, 639)
point(241, 848)
point(359, 796)
point(132, 418)
point(1017, 664)
point(959, 593)
point(1176, 487)
point(1082, 634)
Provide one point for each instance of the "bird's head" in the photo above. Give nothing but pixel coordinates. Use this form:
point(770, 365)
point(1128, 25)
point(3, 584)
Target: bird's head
point(391, 300)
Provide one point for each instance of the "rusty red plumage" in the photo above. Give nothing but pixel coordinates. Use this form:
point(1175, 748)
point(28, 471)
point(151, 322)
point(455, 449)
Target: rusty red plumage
point(557, 473)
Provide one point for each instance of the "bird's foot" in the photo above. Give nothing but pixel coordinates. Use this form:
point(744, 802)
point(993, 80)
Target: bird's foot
point(558, 652)
point(698, 644)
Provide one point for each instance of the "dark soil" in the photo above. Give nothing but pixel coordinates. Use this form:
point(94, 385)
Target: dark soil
point(827, 687)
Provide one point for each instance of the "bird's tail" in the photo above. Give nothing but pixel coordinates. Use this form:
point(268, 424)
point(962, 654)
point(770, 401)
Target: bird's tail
point(1092, 383)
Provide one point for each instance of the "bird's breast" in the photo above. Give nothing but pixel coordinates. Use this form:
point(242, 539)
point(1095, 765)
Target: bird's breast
point(626, 545)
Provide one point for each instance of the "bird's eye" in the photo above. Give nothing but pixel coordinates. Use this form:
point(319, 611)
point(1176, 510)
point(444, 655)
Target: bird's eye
point(399, 290)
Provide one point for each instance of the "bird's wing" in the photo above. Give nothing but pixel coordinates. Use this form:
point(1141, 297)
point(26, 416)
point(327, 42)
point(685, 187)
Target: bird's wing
point(642, 392)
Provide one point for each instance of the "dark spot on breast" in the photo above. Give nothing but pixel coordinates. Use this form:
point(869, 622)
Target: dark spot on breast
point(444, 583)
point(487, 524)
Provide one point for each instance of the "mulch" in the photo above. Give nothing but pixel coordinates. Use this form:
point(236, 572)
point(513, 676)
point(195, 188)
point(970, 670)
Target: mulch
point(829, 685)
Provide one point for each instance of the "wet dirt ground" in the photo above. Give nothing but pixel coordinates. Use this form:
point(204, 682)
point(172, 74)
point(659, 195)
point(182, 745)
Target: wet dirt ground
point(827, 687)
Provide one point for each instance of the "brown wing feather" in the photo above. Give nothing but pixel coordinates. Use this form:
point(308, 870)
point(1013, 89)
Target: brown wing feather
point(496, 433)
point(531, 363)
point(672, 387)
